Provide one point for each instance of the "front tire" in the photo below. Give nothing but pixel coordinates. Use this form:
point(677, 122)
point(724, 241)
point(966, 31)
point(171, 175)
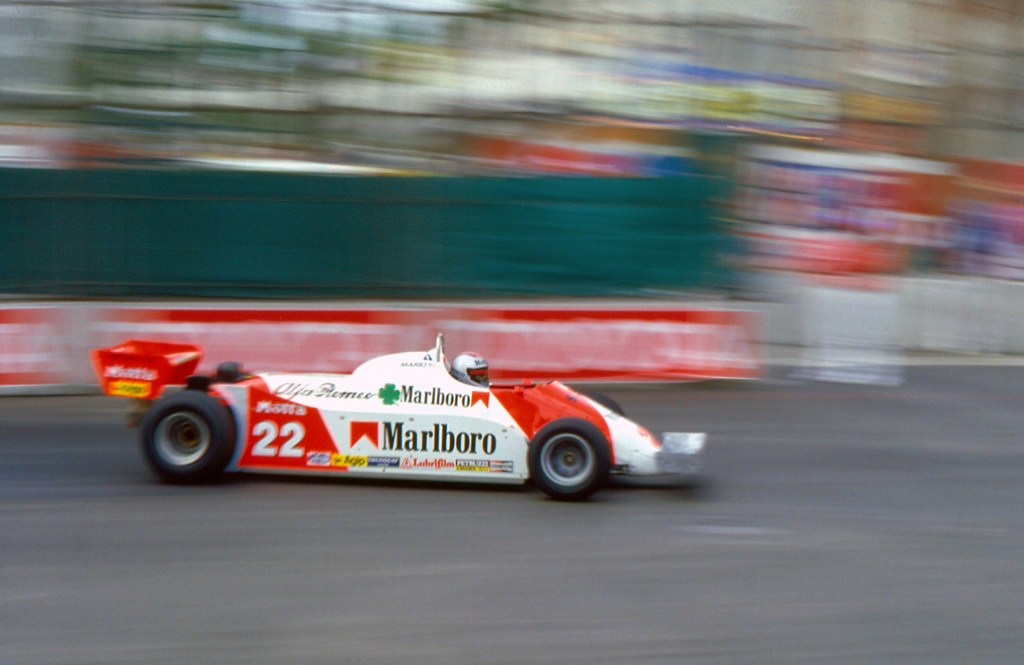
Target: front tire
point(188, 437)
point(606, 402)
point(569, 459)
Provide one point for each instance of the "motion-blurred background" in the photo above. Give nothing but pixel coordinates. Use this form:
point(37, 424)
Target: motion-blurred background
point(663, 88)
point(604, 148)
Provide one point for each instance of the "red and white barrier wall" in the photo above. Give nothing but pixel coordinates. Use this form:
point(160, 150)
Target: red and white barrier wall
point(45, 347)
point(42, 346)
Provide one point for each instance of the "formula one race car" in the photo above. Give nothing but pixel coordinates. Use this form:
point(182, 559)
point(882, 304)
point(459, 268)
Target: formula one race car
point(411, 416)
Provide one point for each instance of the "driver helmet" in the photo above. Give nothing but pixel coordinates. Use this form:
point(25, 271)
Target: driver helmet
point(470, 368)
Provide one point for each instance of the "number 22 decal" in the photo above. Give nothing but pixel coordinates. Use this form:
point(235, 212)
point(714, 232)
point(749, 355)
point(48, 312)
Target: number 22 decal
point(267, 430)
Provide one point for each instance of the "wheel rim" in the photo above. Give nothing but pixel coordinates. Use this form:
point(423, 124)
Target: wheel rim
point(182, 438)
point(567, 459)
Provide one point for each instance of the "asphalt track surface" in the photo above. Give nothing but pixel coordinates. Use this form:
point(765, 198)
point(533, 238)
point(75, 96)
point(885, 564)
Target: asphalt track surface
point(839, 524)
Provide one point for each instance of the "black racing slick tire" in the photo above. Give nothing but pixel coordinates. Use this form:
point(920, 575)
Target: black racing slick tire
point(188, 437)
point(569, 459)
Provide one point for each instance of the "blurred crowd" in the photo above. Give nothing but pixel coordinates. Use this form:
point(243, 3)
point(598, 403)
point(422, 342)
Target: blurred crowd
point(862, 137)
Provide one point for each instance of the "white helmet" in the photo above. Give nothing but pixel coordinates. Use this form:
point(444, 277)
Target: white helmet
point(470, 368)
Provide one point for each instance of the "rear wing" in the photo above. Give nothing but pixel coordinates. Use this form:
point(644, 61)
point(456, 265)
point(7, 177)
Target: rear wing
point(142, 368)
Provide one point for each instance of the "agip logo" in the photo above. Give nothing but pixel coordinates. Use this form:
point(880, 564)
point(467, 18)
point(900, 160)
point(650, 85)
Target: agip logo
point(396, 436)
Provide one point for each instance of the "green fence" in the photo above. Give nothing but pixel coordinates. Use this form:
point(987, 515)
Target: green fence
point(233, 234)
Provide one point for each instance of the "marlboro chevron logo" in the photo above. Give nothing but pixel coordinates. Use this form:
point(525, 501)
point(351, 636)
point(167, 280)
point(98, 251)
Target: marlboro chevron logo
point(396, 436)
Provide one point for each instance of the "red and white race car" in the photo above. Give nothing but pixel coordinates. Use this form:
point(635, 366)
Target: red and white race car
point(403, 416)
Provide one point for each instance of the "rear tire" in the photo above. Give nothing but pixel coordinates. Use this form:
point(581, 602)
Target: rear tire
point(188, 437)
point(569, 459)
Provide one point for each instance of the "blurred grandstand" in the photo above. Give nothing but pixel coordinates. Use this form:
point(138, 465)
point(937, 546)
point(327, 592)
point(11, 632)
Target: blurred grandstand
point(610, 88)
point(454, 85)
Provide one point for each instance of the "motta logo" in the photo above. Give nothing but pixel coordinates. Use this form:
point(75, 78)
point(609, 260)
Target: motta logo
point(119, 372)
point(266, 406)
point(391, 394)
point(395, 436)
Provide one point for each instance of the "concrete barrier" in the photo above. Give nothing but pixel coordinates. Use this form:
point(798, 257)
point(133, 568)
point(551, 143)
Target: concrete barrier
point(43, 346)
point(937, 315)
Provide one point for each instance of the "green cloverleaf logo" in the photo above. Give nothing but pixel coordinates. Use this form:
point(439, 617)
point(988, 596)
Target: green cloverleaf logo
point(389, 394)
